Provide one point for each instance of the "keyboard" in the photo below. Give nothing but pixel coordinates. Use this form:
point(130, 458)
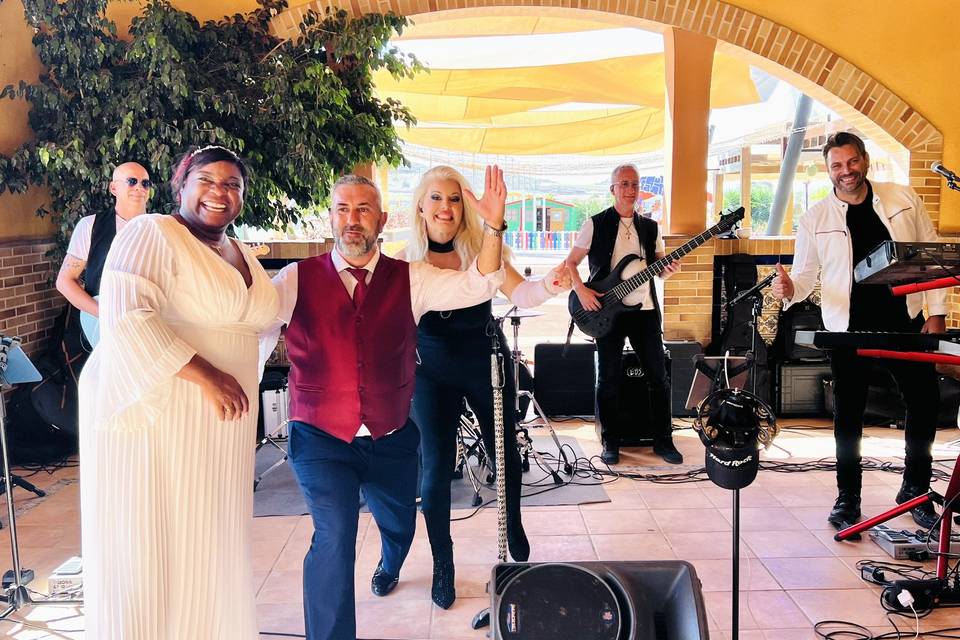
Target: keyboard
point(908, 262)
point(942, 342)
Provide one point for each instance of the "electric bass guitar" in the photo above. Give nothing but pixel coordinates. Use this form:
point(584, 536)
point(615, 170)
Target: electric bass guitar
point(619, 289)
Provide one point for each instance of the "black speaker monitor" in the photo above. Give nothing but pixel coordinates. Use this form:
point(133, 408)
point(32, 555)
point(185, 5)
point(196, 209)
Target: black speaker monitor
point(564, 383)
point(655, 600)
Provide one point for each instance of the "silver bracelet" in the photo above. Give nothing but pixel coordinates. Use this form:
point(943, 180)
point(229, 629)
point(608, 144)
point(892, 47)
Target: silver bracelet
point(497, 233)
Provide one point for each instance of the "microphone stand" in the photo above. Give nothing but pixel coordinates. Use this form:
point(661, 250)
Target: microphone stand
point(756, 310)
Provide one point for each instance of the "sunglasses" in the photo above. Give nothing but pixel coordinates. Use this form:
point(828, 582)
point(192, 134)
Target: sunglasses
point(147, 183)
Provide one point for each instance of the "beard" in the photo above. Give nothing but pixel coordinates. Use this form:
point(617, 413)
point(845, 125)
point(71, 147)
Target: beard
point(860, 178)
point(358, 247)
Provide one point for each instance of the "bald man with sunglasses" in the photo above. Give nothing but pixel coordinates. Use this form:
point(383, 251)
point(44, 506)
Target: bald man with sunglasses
point(79, 276)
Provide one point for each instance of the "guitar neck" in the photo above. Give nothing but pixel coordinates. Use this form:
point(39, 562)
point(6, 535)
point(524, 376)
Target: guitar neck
point(632, 283)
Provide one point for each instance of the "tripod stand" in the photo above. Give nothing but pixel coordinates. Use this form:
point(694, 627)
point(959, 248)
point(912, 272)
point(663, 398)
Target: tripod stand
point(15, 368)
point(523, 437)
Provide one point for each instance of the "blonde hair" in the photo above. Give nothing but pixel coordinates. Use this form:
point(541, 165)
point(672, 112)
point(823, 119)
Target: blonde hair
point(470, 234)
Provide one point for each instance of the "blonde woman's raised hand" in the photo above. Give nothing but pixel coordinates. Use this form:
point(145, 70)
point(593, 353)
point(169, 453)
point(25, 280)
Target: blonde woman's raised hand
point(491, 205)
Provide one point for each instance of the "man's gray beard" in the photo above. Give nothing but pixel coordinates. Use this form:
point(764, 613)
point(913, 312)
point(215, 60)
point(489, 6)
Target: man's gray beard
point(355, 250)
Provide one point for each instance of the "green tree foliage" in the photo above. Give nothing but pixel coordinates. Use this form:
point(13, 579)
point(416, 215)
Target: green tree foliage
point(302, 111)
point(761, 202)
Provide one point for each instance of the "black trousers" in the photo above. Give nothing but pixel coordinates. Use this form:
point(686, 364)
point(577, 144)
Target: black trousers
point(917, 382)
point(449, 371)
point(646, 338)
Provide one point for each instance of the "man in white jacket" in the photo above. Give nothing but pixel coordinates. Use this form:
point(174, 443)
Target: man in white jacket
point(833, 236)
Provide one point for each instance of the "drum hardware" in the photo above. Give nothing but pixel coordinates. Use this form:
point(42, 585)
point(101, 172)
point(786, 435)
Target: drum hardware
point(16, 368)
point(540, 418)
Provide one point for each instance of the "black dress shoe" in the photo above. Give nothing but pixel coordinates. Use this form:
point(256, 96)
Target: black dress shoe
point(443, 591)
point(382, 582)
point(517, 542)
point(610, 455)
point(846, 510)
point(668, 452)
point(924, 515)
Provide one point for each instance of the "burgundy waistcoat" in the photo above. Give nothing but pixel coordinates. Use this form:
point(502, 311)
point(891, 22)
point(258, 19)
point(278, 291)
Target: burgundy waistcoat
point(352, 366)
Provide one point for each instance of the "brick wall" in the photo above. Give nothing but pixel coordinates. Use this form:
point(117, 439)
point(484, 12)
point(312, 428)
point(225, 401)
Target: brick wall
point(30, 303)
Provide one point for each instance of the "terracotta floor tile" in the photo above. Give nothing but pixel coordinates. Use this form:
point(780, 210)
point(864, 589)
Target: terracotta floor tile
point(690, 520)
point(717, 575)
point(281, 586)
point(798, 543)
point(764, 519)
point(620, 521)
point(561, 548)
point(811, 573)
point(389, 618)
point(860, 606)
point(752, 496)
point(632, 546)
point(677, 498)
point(710, 546)
point(553, 523)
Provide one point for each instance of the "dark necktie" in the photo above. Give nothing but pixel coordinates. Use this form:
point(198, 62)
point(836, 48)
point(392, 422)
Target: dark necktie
point(360, 275)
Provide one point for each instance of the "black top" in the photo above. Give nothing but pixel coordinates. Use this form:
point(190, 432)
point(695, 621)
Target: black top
point(872, 307)
point(456, 323)
point(101, 237)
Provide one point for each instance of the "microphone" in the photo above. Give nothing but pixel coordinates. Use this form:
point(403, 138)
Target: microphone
point(937, 167)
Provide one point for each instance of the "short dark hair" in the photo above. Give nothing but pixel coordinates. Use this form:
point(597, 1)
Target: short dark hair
point(197, 157)
point(842, 139)
point(354, 179)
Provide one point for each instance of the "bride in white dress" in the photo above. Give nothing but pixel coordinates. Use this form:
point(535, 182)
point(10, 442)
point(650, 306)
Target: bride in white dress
point(168, 415)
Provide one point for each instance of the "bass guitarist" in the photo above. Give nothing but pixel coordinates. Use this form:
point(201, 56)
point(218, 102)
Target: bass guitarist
point(605, 239)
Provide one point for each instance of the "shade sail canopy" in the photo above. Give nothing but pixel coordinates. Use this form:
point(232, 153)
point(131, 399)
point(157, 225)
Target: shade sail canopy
point(508, 24)
point(501, 110)
point(634, 131)
point(629, 80)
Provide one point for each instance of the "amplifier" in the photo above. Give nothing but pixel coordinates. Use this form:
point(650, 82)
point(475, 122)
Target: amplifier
point(565, 385)
point(681, 355)
point(634, 423)
point(799, 389)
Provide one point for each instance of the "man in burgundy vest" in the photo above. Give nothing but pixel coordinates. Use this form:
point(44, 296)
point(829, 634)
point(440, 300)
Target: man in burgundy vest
point(351, 319)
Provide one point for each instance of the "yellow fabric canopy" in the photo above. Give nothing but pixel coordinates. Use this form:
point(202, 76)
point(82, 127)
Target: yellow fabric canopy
point(631, 80)
point(635, 131)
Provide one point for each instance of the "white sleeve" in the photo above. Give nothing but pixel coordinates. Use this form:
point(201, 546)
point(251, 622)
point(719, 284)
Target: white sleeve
point(806, 262)
point(285, 283)
point(434, 289)
point(585, 237)
point(661, 248)
point(143, 351)
point(935, 299)
point(79, 246)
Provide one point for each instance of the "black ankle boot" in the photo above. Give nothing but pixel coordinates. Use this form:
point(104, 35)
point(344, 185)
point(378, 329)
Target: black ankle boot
point(443, 591)
point(517, 542)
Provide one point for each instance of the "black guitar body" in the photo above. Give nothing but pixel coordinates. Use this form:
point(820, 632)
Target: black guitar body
point(615, 287)
point(597, 324)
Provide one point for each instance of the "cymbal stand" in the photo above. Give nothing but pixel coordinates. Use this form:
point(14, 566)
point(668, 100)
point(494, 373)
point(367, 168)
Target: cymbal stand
point(16, 596)
point(469, 430)
point(523, 437)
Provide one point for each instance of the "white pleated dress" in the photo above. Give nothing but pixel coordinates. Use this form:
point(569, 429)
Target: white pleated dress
point(167, 487)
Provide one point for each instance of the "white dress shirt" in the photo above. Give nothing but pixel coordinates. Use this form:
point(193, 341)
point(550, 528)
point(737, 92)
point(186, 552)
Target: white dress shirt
point(431, 289)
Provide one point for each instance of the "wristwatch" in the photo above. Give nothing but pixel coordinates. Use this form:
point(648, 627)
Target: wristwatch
point(497, 233)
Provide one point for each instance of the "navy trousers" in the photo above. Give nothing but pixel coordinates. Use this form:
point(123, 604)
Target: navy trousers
point(330, 473)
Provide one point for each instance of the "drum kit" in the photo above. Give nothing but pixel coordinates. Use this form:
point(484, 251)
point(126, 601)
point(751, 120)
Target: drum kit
point(469, 441)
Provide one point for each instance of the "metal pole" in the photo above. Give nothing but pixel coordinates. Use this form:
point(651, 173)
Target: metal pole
point(735, 613)
point(788, 167)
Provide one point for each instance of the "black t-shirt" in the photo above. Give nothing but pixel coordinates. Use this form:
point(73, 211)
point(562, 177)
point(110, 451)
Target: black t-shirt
point(872, 307)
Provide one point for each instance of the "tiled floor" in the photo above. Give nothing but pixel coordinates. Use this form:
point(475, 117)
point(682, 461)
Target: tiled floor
point(792, 573)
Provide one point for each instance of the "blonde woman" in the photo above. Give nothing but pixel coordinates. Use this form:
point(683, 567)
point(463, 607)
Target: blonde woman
point(454, 348)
